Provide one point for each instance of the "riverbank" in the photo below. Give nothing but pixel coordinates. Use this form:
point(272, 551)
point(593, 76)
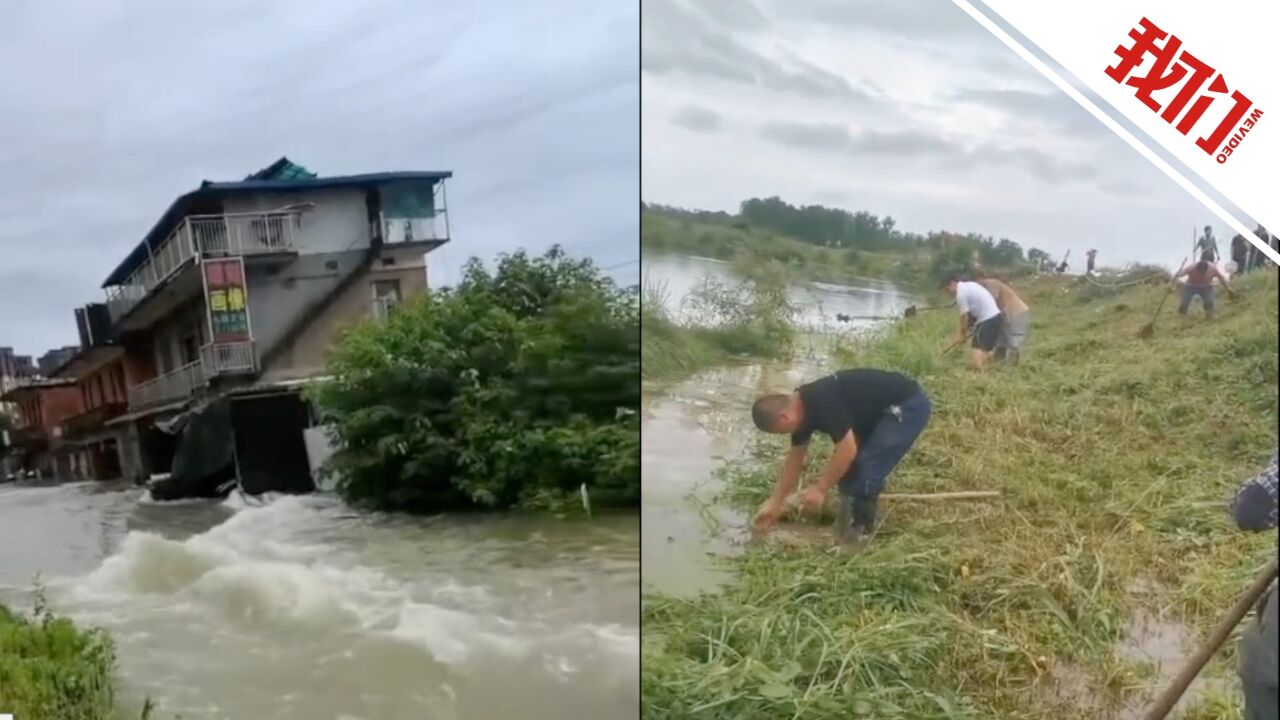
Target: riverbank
point(747, 247)
point(50, 669)
point(1115, 457)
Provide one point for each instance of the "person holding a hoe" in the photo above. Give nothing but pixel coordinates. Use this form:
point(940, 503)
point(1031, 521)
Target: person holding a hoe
point(872, 416)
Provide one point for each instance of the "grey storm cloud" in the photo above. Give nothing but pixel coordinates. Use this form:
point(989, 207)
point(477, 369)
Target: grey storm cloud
point(131, 105)
point(912, 144)
point(936, 20)
point(698, 119)
point(1053, 108)
point(698, 41)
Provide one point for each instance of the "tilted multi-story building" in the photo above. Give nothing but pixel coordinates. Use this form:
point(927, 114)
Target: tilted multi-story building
point(235, 295)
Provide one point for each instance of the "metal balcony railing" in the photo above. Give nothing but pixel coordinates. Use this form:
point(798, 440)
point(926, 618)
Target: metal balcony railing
point(414, 229)
point(204, 236)
point(228, 359)
point(215, 360)
point(177, 385)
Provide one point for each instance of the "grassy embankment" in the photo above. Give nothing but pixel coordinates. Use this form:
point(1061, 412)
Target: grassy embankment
point(1116, 458)
point(52, 670)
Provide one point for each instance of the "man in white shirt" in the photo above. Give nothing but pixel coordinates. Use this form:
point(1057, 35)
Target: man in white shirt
point(978, 309)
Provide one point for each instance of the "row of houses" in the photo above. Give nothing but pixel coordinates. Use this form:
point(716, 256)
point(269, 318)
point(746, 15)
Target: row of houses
point(194, 363)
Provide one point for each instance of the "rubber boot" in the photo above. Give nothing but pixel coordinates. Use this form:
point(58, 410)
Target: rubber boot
point(864, 522)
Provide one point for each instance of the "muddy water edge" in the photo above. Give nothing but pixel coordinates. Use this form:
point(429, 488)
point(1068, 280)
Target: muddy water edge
point(691, 427)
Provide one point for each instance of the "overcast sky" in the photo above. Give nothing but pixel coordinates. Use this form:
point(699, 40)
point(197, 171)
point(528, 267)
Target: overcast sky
point(909, 109)
point(108, 111)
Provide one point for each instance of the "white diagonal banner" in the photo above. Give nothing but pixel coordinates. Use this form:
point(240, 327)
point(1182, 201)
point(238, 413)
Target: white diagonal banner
point(1197, 79)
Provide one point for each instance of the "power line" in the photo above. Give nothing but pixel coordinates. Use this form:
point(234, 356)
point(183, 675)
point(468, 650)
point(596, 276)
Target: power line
point(621, 264)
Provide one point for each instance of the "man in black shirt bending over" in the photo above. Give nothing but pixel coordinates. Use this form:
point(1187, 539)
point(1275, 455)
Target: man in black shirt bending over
point(872, 416)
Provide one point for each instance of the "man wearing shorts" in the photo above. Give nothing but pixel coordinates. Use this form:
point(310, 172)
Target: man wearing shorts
point(978, 309)
point(872, 416)
point(1017, 320)
point(1200, 279)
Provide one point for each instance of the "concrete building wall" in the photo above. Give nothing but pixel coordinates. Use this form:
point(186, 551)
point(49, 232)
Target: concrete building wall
point(58, 404)
point(339, 221)
point(281, 298)
point(189, 322)
point(306, 355)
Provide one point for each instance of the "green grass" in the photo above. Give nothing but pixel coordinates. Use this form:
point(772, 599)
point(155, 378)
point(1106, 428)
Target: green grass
point(52, 670)
point(1116, 458)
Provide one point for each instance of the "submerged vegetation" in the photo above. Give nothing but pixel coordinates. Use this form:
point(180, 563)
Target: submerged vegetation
point(52, 670)
point(1115, 457)
point(516, 388)
point(820, 243)
point(718, 322)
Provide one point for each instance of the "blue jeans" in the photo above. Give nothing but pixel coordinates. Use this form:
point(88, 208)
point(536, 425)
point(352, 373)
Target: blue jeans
point(884, 449)
point(1190, 292)
point(1257, 661)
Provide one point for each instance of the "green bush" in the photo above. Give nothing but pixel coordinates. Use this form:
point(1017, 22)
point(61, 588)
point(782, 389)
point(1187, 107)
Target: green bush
point(515, 388)
point(52, 670)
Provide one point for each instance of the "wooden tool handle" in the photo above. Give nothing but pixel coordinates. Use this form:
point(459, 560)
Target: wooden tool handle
point(1174, 692)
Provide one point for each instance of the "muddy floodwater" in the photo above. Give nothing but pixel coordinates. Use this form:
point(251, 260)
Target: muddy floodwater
point(301, 608)
point(690, 428)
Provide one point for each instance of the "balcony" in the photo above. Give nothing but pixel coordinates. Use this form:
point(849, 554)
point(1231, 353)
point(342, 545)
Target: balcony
point(201, 236)
point(90, 421)
point(216, 360)
point(428, 228)
point(27, 436)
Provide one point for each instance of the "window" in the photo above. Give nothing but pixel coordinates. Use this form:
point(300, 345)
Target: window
point(386, 295)
point(190, 349)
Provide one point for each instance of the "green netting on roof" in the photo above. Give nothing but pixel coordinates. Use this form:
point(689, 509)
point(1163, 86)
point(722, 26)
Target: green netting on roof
point(282, 169)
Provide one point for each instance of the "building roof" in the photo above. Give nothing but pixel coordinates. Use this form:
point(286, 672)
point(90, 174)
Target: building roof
point(282, 176)
point(86, 360)
point(36, 384)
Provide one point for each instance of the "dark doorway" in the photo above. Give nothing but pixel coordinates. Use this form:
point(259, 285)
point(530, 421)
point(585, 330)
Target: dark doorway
point(270, 451)
point(158, 448)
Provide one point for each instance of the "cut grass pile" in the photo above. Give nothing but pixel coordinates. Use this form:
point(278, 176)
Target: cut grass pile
point(1116, 458)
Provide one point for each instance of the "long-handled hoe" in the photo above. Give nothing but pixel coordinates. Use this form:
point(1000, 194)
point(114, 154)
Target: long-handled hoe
point(1149, 330)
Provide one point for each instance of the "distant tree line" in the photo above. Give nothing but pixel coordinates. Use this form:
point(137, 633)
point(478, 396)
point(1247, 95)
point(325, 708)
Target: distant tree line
point(836, 228)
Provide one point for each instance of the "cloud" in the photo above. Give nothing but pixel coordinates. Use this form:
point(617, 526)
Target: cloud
point(698, 119)
point(737, 15)
point(828, 137)
point(1054, 108)
point(131, 107)
point(683, 40)
point(918, 144)
point(935, 20)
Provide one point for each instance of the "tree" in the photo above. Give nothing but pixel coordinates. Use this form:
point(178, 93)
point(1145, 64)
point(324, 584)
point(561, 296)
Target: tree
point(512, 389)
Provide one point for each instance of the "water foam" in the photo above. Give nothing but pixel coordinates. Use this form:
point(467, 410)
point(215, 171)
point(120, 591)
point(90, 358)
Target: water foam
point(254, 570)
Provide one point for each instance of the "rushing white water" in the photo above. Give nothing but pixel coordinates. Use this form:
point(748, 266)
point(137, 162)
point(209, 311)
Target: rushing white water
point(299, 607)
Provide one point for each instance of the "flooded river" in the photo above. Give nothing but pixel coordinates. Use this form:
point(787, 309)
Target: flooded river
point(817, 305)
point(301, 608)
point(689, 429)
